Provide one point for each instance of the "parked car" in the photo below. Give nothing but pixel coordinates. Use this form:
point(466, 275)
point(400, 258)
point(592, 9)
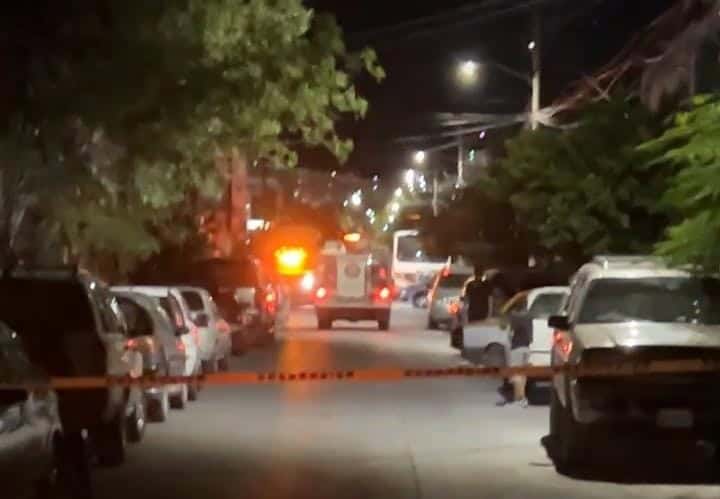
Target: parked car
point(71, 325)
point(172, 302)
point(244, 295)
point(444, 294)
point(30, 431)
point(633, 310)
point(215, 333)
point(153, 335)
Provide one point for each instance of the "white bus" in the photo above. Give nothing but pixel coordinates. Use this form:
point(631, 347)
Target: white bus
point(409, 260)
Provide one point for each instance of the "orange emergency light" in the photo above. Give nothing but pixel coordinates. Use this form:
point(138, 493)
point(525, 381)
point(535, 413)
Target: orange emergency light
point(352, 237)
point(291, 261)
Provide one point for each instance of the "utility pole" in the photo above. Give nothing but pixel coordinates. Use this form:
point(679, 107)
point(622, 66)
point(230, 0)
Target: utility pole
point(460, 158)
point(535, 48)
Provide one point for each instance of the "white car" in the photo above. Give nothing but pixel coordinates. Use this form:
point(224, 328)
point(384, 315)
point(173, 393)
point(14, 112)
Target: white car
point(214, 331)
point(171, 300)
point(488, 341)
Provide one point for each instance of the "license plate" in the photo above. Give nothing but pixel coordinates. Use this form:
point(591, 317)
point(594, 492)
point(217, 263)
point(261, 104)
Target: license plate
point(674, 418)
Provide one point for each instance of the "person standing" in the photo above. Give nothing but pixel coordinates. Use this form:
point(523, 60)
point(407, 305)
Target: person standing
point(520, 339)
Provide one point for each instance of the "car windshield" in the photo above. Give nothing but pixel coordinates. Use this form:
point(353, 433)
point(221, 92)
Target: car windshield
point(453, 281)
point(193, 299)
point(546, 305)
point(664, 299)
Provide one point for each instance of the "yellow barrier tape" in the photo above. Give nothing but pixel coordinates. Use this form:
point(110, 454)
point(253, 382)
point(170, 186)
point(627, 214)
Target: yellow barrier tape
point(388, 374)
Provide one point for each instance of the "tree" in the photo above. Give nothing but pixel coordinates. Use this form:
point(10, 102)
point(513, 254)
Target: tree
point(690, 145)
point(155, 90)
point(589, 189)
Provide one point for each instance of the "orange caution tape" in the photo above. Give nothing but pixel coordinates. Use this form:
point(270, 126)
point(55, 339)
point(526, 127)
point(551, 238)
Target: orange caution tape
point(388, 374)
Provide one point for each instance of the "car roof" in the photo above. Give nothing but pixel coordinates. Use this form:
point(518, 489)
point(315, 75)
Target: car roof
point(628, 267)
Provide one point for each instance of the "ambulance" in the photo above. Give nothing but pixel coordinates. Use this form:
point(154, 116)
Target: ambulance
point(352, 287)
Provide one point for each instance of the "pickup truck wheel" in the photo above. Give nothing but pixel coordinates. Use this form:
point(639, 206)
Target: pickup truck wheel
point(384, 323)
point(324, 321)
point(569, 437)
point(109, 440)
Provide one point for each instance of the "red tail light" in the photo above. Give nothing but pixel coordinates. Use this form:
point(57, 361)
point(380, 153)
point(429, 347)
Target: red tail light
point(132, 344)
point(321, 293)
point(384, 293)
point(563, 344)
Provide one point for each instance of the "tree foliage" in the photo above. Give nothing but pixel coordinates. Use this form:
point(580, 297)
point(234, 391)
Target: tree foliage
point(128, 102)
point(589, 189)
point(692, 146)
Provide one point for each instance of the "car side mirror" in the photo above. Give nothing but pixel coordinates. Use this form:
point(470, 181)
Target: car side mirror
point(559, 322)
point(201, 319)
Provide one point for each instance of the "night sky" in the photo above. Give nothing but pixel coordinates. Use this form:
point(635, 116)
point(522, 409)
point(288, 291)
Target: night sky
point(578, 37)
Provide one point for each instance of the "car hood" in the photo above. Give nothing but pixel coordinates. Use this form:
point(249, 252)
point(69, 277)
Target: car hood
point(650, 334)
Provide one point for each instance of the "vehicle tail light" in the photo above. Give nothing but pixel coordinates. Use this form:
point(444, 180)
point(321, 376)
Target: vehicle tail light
point(132, 344)
point(270, 302)
point(454, 307)
point(563, 344)
point(321, 293)
point(384, 293)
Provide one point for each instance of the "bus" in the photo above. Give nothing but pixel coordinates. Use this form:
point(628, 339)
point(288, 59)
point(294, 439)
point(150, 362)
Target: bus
point(409, 260)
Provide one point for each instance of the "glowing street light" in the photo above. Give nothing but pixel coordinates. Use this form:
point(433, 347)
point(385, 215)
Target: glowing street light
point(468, 71)
point(395, 207)
point(410, 178)
point(419, 157)
point(398, 192)
point(356, 198)
point(531, 45)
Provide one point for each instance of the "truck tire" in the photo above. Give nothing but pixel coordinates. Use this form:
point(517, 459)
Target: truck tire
point(569, 438)
point(384, 322)
point(136, 423)
point(324, 321)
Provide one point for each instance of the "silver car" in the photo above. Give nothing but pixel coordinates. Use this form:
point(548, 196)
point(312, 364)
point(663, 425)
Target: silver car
point(444, 295)
point(633, 310)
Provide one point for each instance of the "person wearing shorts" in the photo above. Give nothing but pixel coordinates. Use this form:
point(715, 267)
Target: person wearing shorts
point(521, 331)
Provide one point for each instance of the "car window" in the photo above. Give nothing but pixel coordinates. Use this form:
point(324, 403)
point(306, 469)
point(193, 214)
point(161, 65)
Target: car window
point(193, 300)
point(65, 305)
point(453, 281)
point(658, 299)
point(173, 310)
point(138, 319)
point(546, 305)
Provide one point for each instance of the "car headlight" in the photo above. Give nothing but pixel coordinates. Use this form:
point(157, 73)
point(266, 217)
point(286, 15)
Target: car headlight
point(307, 282)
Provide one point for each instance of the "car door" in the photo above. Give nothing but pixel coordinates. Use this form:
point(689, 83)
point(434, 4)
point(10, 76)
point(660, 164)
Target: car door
point(171, 341)
point(27, 420)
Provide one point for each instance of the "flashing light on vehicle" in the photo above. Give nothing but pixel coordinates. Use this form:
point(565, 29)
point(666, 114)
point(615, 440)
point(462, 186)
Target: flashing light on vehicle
point(352, 237)
point(307, 283)
point(321, 293)
point(291, 261)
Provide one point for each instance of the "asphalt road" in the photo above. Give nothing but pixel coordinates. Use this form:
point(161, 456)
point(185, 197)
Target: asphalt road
point(430, 438)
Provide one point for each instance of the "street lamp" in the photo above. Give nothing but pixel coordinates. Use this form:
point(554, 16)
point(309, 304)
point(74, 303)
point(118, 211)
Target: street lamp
point(356, 198)
point(468, 71)
point(410, 178)
point(419, 157)
point(398, 192)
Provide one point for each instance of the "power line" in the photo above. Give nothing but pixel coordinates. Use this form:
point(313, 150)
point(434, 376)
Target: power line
point(447, 21)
